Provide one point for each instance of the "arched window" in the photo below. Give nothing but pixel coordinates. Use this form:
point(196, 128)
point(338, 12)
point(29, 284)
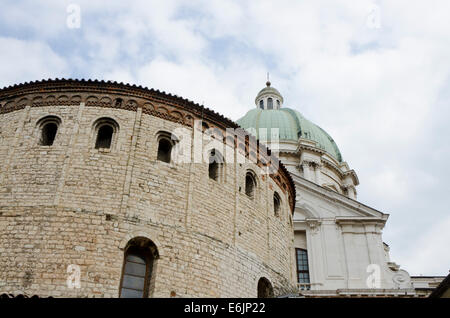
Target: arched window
point(276, 204)
point(261, 104)
point(48, 134)
point(278, 103)
point(302, 268)
point(106, 129)
point(250, 185)
point(265, 289)
point(104, 137)
point(139, 257)
point(215, 165)
point(270, 103)
point(166, 142)
point(164, 149)
point(48, 129)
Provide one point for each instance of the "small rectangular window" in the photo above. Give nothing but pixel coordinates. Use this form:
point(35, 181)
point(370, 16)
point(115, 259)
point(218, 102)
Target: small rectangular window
point(302, 267)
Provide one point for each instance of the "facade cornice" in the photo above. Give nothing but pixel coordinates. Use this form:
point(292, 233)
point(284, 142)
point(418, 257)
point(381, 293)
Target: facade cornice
point(288, 152)
point(310, 148)
point(355, 224)
point(337, 168)
point(335, 197)
point(353, 174)
point(332, 166)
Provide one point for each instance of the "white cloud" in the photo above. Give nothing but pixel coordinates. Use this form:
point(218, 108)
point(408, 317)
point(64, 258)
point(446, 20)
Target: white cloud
point(28, 60)
point(202, 83)
point(430, 256)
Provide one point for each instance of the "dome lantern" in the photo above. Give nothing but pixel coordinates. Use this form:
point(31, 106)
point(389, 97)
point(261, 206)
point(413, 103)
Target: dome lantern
point(269, 98)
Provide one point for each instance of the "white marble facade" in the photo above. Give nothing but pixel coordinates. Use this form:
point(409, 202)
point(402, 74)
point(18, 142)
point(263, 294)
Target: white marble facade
point(343, 239)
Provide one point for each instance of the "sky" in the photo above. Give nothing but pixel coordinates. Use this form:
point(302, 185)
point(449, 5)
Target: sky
point(374, 74)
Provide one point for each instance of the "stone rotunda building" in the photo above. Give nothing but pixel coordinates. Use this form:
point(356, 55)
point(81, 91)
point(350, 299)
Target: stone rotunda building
point(94, 204)
point(113, 190)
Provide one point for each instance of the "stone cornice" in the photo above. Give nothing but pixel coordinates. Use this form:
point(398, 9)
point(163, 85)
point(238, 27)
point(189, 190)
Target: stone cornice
point(74, 85)
point(310, 148)
point(332, 166)
point(346, 221)
point(340, 172)
point(335, 197)
point(352, 173)
point(336, 167)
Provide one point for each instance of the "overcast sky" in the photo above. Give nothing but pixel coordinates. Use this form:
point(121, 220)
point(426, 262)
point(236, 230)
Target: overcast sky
point(374, 74)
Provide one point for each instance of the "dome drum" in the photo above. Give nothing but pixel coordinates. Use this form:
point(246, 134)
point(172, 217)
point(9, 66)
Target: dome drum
point(290, 132)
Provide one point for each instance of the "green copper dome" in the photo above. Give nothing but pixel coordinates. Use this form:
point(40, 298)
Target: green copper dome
point(292, 126)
